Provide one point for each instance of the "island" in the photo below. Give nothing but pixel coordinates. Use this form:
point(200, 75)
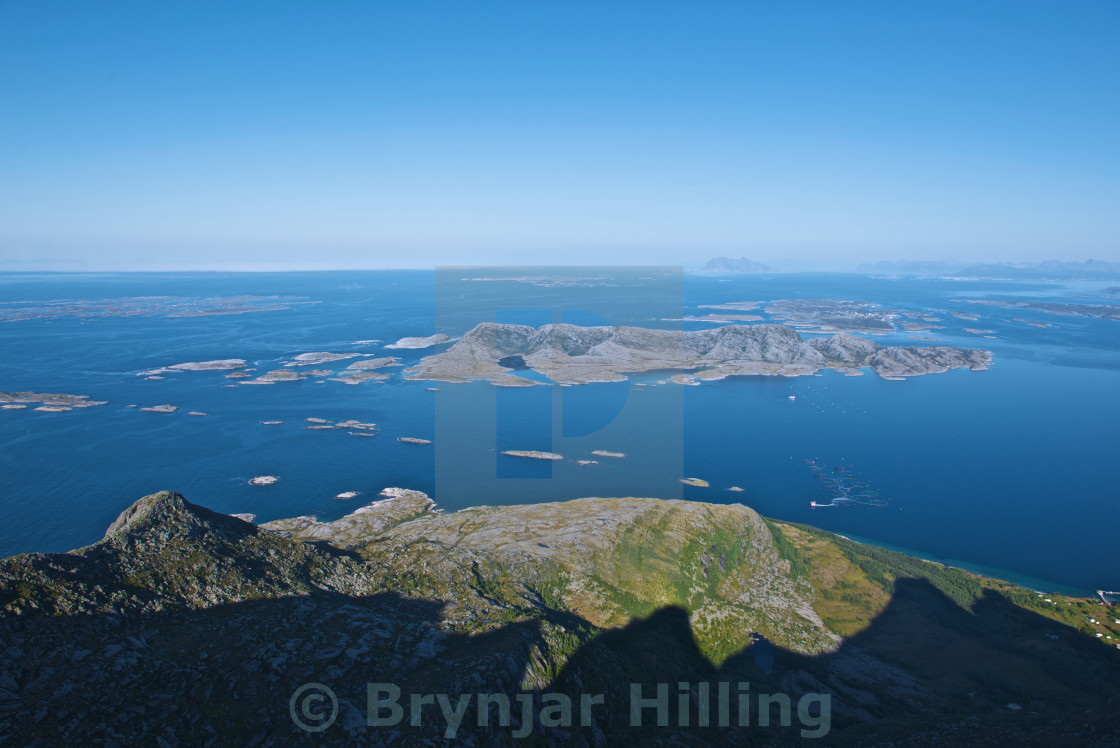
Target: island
point(834, 315)
point(741, 306)
point(698, 482)
point(733, 266)
point(263, 480)
point(1099, 311)
point(277, 375)
point(533, 454)
point(428, 342)
point(714, 318)
point(413, 440)
point(161, 409)
point(319, 357)
point(1033, 323)
point(372, 363)
point(554, 281)
point(365, 370)
point(570, 354)
point(224, 364)
point(150, 306)
point(605, 453)
point(353, 423)
point(20, 400)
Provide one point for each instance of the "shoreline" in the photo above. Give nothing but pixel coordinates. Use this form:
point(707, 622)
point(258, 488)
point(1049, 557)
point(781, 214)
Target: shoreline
point(992, 572)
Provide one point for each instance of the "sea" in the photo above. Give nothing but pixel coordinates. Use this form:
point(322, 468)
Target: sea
point(1011, 471)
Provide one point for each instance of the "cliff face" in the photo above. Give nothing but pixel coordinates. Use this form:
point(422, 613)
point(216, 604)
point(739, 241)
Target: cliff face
point(187, 627)
point(577, 355)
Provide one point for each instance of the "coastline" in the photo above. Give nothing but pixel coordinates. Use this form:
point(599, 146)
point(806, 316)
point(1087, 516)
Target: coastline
point(993, 572)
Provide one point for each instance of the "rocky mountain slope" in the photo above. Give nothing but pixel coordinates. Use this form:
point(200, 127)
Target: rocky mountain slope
point(577, 355)
point(187, 627)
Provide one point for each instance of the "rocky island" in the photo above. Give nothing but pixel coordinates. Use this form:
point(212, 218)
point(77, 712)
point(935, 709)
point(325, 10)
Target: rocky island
point(366, 370)
point(319, 357)
point(1099, 311)
point(20, 400)
point(150, 306)
point(142, 637)
point(569, 354)
point(533, 454)
point(428, 342)
point(224, 364)
point(161, 409)
point(277, 375)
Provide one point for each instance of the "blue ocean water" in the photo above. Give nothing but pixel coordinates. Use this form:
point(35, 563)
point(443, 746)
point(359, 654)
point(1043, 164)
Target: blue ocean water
point(1009, 470)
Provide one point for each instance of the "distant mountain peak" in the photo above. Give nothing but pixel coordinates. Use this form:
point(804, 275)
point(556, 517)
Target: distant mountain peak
point(1047, 270)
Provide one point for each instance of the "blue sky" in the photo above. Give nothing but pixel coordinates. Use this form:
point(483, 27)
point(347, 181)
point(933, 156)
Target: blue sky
point(140, 135)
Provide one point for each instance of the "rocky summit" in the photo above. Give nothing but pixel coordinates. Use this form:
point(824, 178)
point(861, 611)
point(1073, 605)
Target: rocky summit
point(571, 354)
point(185, 627)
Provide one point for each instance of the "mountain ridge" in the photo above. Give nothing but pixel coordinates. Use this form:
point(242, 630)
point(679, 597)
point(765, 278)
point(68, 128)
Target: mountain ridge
point(560, 597)
point(572, 354)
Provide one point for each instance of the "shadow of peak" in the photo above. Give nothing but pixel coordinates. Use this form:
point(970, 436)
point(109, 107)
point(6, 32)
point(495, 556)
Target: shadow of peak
point(661, 645)
point(923, 661)
point(932, 653)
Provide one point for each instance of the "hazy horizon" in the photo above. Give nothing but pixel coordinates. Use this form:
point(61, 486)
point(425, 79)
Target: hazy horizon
point(778, 265)
point(283, 136)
